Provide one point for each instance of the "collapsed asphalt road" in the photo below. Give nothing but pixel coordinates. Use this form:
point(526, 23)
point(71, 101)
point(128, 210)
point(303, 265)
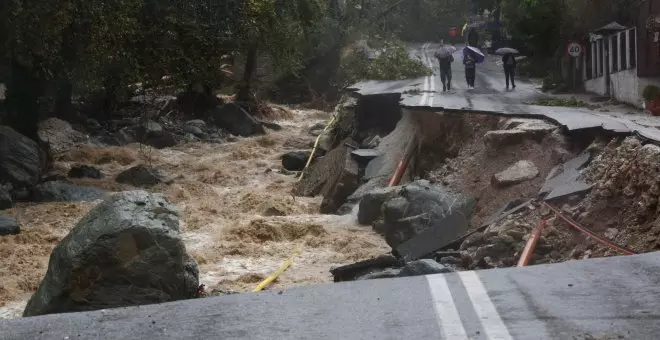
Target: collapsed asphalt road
point(613, 298)
point(491, 97)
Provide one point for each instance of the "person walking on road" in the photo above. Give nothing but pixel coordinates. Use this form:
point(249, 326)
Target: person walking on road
point(470, 69)
point(509, 63)
point(445, 70)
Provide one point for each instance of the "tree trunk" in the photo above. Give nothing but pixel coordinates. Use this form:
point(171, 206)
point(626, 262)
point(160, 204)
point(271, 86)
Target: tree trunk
point(63, 106)
point(24, 92)
point(245, 88)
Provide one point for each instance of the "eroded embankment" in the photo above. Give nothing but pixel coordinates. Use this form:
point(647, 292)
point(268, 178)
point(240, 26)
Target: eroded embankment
point(491, 164)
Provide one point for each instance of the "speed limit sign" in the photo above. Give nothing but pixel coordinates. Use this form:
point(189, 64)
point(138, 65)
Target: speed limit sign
point(574, 49)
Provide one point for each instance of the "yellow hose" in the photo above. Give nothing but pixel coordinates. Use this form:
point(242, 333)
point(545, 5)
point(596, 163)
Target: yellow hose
point(277, 273)
point(316, 144)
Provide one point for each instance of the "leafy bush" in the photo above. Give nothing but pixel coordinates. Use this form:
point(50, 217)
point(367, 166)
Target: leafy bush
point(393, 63)
point(651, 92)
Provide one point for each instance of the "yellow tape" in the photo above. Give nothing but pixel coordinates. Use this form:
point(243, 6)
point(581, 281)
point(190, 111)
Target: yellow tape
point(277, 273)
point(316, 144)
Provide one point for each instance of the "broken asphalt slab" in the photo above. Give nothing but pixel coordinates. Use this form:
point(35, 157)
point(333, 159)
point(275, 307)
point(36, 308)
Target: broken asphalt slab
point(613, 298)
point(564, 180)
point(573, 119)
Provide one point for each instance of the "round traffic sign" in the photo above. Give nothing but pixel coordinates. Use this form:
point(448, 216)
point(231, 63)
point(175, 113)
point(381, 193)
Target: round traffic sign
point(574, 49)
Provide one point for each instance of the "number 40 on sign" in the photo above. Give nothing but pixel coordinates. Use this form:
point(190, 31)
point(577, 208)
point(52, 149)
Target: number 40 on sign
point(574, 49)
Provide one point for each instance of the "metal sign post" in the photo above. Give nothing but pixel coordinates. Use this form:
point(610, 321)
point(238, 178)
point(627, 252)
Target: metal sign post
point(575, 50)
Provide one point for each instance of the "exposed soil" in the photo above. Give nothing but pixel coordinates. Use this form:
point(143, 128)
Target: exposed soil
point(463, 163)
point(240, 220)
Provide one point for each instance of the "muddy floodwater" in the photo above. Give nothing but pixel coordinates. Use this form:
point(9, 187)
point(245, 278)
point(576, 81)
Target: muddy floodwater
point(239, 218)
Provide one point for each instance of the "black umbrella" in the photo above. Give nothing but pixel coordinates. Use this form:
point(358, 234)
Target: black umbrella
point(506, 50)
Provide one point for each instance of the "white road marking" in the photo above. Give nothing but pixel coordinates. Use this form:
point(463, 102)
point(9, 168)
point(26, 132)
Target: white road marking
point(490, 320)
point(427, 81)
point(445, 309)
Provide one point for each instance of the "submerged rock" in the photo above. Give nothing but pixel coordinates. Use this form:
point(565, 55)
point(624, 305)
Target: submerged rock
point(141, 176)
point(85, 171)
point(56, 191)
point(9, 226)
point(126, 251)
point(295, 160)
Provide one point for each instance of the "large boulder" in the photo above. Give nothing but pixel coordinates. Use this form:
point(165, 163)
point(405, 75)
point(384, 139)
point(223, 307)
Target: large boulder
point(371, 204)
point(59, 135)
point(9, 226)
point(425, 214)
point(57, 191)
point(141, 176)
point(126, 251)
point(21, 160)
point(236, 120)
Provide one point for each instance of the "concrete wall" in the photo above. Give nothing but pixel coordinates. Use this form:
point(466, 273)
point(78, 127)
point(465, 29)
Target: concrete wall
point(624, 87)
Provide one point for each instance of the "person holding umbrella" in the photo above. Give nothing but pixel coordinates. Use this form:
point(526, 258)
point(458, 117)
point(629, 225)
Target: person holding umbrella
point(445, 58)
point(471, 57)
point(509, 64)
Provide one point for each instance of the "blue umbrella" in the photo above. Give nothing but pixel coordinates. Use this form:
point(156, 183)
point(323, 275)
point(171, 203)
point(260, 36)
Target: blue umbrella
point(476, 53)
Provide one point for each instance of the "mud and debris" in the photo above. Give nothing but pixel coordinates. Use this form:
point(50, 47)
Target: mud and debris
point(239, 217)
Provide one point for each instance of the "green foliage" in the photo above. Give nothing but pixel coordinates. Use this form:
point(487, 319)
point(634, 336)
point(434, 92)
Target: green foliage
point(393, 63)
point(651, 92)
point(564, 102)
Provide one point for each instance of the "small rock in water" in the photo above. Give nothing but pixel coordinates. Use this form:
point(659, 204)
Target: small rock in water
point(56, 191)
point(141, 176)
point(9, 226)
point(295, 160)
point(85, 171)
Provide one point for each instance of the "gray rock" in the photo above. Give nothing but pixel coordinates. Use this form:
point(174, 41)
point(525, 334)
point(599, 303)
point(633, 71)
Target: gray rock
point(57, 191)
point(126, 251)
point(451, 261)
point(346, 209)
point(370, 207)
point(196, 122)
point(295, 160)
point(6, 200)
point(141, 176)
point(501, 138)
point(160, 140)
point(519, 172)
point(474, 240)
point(9, 226)
point(395, 209)
point(59, 135)
point(429, 206)
point(151, 127)
point(21, 160)
point(195, 130)
point(236, 120)
point(85, 171)
point(340, 186)
point(126, 135)
point(611, 233)
point(385, 274)
point(424, 267)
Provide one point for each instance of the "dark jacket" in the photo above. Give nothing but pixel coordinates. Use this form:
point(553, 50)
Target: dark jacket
point(445, 63)
point(509, 61)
